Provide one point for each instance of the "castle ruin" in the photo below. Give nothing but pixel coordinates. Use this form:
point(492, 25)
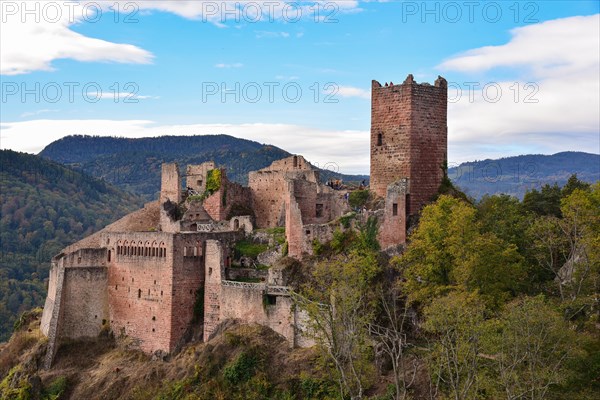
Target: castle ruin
point(160, 273)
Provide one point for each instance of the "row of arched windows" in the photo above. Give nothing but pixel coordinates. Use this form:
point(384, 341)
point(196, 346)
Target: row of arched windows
point(141, 249)
point(193, 251)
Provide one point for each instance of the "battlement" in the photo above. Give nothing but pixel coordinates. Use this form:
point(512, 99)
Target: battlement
point(410, 80)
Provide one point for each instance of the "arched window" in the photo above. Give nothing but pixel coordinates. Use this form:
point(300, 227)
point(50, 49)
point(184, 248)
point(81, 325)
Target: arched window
point(236, 224)
point(126, 248)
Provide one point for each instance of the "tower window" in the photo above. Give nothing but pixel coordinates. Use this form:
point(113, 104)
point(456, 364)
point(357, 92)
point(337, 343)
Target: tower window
point(379, 139)
point(319, 210)
point(395, 209)
point(270, 300)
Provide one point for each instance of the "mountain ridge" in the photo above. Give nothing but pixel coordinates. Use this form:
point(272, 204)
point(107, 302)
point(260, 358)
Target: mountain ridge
point(134, 164)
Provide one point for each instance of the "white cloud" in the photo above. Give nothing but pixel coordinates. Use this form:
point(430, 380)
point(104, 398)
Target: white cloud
point(33, 45)
point(226, 66)
point(320, 146)
point(349, 91)
point(271, 34)
point(32, 41)
point(38, 112)
point(559, 59)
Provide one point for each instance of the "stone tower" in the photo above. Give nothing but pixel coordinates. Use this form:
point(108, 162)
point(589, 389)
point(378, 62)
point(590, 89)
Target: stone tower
point(409, 138)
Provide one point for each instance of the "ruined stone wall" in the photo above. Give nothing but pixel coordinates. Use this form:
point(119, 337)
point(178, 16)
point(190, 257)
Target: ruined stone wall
point(309, 208)
point(140, 286)
point(250, 303)
point(143, 220)
point(293, 224)
point(170, 185)
point(95, 257)
point(152, 283)
point(392, 229)
point(267, 197)
point(409, 137)
point(50, 301)
point(51, 317)
point(292, 163)
point(85, 306)
point(214, 273)
point(196, 175)
point(230, 194)
point(188, 277)
point(269, 184)
point(170, 190)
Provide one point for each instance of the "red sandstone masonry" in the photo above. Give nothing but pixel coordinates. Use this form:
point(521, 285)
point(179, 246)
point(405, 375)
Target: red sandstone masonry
point(409, 137)
point(219, 204)
point(268, 187)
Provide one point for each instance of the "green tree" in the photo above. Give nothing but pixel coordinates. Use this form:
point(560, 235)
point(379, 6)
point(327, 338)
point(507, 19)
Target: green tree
point(454, 323)
point(543, 202)
point(340, 304)
point(448, 252)
point(530, 345)
point(572, 184)
point(503, 215)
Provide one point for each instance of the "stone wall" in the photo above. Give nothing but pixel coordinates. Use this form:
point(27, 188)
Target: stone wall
point(188, 277)
point(85, 309)
point(50, 324)
point(268, 187)
point(196, 176)
point(251, 303)
point(170, 186)
point(230, 194)
point(303, 221)
point(392, 229)
point(409, 138)
point(293, 224)
point(140, 286)
point(214, 273)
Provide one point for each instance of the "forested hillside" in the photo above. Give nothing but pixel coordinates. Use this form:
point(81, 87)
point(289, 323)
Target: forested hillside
point(134, 164)
point(44, 207)
point(516, 175)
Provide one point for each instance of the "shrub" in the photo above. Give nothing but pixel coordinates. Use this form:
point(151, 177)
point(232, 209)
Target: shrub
point(241, 369)
point(358, 198)
point(213, 180)
point(56, 388)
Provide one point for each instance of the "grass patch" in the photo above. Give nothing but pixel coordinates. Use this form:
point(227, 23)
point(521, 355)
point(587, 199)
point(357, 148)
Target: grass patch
point(278, 233)
point(247, 248)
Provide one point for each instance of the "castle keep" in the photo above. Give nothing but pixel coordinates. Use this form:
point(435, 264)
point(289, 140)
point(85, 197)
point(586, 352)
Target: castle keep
point(171, 272)
point(409, 138)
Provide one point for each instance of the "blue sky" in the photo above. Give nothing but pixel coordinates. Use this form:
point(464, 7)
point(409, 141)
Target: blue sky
point(190, 68)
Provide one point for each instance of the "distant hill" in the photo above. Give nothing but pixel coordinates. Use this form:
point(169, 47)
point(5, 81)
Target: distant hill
point(134, 164)
point(45, 206)
point(516, 175)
